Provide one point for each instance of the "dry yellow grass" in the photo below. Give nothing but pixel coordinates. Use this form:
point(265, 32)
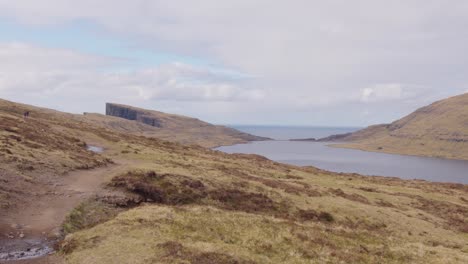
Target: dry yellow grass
point(194, 234)
point(176, 128)
point(438, 130)
point(204, 206)
point(375, 219)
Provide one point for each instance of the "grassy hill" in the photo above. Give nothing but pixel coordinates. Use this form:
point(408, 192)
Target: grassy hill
point(436, 130)
point(164, 202)
point(182, 129)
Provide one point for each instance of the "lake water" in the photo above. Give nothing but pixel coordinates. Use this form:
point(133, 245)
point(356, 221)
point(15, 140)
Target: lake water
point(95, 149)
point(320, 155)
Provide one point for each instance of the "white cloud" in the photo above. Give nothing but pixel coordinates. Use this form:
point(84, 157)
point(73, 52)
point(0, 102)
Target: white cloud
point(27, 70)
point(303, 54)
point(24, 57)
point(395, 92)
point(178, 81)
point(382, 92)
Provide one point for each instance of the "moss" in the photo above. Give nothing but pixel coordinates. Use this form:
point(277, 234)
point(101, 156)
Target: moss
point(89, 214)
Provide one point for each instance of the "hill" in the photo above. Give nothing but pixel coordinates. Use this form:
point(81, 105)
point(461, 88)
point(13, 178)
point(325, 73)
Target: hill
point(437, 130)
point(170, 127)
point(146, 200)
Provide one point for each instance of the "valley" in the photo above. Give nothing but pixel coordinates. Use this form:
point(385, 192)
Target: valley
point(146, 200)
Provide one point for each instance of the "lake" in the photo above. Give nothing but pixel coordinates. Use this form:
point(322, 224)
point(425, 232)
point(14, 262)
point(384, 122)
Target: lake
point(320, 155)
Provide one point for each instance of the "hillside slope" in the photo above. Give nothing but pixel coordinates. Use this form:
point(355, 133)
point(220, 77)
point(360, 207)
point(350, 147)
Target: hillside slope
point(436, 130)
point(170, 127)
point(164, 202)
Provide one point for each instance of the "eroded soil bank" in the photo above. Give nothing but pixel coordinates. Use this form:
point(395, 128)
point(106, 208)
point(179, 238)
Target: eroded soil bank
point(29, 234)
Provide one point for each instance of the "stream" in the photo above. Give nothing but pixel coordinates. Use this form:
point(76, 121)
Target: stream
point(95, 149)
point(21, 249)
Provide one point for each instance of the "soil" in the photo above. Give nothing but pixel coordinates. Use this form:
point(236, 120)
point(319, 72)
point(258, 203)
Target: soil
point(30, 232)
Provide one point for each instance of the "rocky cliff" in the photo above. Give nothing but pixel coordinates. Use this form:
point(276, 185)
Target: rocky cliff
point(203, 206)
point(131, 114)
point(170, 127)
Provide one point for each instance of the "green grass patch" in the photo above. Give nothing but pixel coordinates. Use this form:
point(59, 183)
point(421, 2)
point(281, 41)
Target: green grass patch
point(89, 214)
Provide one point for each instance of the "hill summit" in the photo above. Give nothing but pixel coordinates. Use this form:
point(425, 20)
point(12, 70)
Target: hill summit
point(436, 130)
point(145, 200)
point(171, 127)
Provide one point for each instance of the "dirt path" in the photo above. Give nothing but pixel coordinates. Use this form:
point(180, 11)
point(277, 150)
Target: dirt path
point(37, 226)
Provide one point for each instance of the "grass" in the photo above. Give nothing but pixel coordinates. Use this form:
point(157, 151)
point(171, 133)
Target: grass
point(161, 188)
point(194, 234)
point(182, 129)
point(438, 130)
point(89, 214)
point(173, 189)
point(4, 204)
point(349, 217)
point(205, 206)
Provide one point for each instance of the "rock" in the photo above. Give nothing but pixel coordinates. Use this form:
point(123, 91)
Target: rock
point(56, 234)
point(16, 226)
point(131, 114)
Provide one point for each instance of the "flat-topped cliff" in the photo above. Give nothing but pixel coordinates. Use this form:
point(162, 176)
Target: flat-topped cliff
point(145, 200)
point(171, 127)
point(131, 114)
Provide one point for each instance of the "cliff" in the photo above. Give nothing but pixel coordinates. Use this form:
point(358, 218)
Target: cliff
point(145, 200)
point(183, 129)
point(131, 114)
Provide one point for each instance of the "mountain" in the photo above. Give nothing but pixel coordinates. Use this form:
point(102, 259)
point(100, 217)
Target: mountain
point(137, 199)
point(182, 129)
point(437, 130)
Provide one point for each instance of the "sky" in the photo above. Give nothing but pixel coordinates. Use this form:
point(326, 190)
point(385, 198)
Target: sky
point(254, 62)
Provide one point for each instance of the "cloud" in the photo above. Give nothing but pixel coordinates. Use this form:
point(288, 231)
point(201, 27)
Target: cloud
point(25, 57)
point(395, 92)
point(311, 41)
point(382, 92)
point(27, 70)
point(302, 54)
point(178, 81)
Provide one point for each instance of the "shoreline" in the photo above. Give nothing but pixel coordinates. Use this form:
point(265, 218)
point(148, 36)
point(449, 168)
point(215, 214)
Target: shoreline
point(333, 145)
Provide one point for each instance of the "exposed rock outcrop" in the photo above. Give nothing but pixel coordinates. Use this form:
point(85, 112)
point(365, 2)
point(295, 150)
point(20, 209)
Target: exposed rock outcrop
point(171, 127)
point(131, 114)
